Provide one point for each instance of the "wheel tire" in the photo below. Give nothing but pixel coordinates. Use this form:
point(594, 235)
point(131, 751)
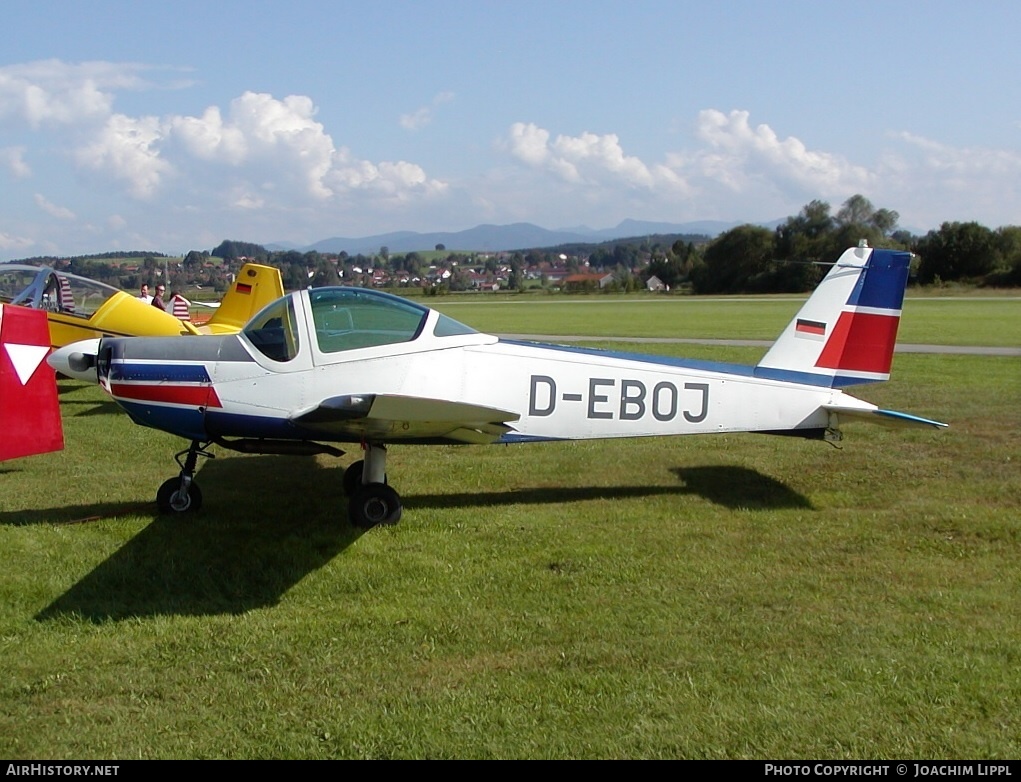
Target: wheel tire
point(352, 480)
point(170, 499)
point(374, 503)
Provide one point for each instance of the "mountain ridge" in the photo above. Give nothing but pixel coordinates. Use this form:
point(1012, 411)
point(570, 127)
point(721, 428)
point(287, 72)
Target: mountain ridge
point(489, 237)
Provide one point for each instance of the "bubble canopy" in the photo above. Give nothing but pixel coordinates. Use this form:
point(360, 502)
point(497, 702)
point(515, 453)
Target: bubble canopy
point(344, 319)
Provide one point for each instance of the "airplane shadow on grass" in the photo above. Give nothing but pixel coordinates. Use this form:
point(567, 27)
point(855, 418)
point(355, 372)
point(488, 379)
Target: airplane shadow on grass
point(92, 408)
point(245, 557)
point(209, 564)
point(86, 405)
point(732, 487)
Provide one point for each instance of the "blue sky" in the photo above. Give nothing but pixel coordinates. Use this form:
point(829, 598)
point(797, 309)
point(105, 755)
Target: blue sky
point(172, 126)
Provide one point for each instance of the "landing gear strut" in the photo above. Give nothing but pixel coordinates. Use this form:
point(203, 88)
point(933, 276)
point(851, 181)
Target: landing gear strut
point(372, 501)
point(182, 494)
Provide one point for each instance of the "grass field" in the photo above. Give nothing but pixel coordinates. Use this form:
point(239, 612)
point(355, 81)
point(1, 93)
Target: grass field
point(733, 596)
point(994, 321)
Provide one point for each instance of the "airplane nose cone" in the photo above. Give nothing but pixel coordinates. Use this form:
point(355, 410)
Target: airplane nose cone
point(77, 360)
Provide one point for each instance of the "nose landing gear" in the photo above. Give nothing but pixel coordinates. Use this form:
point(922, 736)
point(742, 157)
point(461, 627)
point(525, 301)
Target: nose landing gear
point(182, 494)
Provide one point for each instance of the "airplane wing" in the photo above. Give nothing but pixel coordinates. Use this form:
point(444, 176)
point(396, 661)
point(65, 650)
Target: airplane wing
point(408, 418)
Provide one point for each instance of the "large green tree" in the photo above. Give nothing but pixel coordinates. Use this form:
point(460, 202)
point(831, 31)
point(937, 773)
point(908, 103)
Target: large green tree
point(957, 251)
point(858, 219)
point(806, 236)
point(735, 260)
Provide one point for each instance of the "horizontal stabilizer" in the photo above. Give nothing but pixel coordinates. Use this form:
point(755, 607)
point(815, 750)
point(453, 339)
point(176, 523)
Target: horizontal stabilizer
point(885, 417)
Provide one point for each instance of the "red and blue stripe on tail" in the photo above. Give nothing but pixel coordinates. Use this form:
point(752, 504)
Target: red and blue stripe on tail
point(845, 333)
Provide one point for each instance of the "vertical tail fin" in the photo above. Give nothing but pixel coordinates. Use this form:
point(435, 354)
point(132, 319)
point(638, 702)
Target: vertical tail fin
point(255, 287)
point(29, 411)
point(845, 333)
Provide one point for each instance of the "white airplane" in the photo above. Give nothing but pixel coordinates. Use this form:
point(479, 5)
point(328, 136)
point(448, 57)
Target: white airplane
point(353, 365)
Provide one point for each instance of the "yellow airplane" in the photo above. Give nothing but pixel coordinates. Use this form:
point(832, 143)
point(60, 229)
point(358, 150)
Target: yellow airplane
point(78, 308)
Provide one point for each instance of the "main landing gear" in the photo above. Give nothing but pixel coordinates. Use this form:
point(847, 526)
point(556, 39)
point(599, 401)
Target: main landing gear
point(371, 501)
point(182, 494)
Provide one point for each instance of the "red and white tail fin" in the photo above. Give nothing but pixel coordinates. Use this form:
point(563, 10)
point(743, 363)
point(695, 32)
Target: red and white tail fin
point(845, 333)
point(29, 410)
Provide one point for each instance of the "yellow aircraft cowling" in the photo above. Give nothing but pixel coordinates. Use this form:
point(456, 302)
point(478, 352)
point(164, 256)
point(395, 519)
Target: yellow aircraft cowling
point(121, 315)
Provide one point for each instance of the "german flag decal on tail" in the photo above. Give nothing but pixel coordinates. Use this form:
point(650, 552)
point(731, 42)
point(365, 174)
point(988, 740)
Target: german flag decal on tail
point(845, 333)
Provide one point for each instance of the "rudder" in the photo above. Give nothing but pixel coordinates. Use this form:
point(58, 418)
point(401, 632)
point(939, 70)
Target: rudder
point(255, 287)
point(29, 410)
point(845, 333)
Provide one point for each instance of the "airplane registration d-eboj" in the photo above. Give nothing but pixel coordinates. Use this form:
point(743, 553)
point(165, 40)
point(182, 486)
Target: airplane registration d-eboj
point(352, 365)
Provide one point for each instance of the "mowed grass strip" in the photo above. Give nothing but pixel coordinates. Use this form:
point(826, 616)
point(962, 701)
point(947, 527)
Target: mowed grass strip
point(733, 596)
point(986, 320)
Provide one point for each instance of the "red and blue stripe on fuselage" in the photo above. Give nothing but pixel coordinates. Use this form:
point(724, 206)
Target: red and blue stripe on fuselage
point(169, 396)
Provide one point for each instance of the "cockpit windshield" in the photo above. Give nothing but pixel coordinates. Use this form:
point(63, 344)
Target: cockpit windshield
point(273, 330)
point(351, 318)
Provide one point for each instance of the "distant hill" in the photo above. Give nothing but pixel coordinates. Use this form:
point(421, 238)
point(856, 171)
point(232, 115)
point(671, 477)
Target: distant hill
point(497, 238)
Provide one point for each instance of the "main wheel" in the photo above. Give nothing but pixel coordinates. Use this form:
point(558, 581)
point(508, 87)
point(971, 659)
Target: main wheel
point(170, 498)
point(372, 504)
point(352, 480)
point(353, 477)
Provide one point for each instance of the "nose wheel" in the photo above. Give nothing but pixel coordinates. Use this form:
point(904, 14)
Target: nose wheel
point(372, 501)
point(182, 494)
point(172, 498)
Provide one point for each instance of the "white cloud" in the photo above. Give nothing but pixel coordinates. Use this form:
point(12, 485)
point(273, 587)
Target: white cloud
point(9, 242)
point(738, 155)
point(282, 135)
point(60, 212)
point(277, 153)
point(258, 155)
point(529, 143)
point(588, 159)
point(52, 92)
point(273, 151)
point(390, 180)
point(127, 149)
point(940, 182)
point(968, 162)
point(268, 143)
point(208, 138)
point(421, 117)
point(13, 159)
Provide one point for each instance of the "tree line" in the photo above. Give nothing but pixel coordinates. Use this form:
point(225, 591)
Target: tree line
point(792, 257)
